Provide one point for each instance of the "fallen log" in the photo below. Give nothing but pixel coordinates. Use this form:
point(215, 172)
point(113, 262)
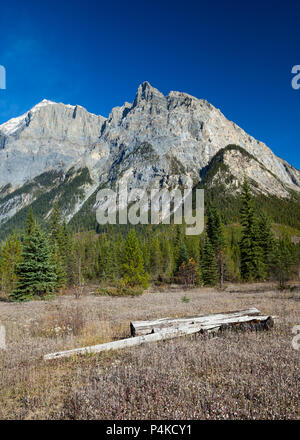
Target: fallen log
point(183, 329)
point(139, 328)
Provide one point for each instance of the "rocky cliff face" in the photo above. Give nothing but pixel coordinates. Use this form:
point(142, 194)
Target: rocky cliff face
point(49, 136)
point(155, 141)
point(158, 137)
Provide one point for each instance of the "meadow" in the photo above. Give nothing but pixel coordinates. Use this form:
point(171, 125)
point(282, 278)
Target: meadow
point(246, 375)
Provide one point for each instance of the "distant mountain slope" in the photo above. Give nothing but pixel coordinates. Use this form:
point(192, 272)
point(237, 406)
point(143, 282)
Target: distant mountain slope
point(49, 137)
point(155, 141)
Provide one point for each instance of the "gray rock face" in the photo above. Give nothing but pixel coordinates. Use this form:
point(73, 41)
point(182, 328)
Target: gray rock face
point(152, 142)
point(49, 136)
point(240, 165)
point(182, 134)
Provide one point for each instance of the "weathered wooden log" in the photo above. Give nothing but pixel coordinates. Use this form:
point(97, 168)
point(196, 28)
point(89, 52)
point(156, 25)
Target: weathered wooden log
point(139, 328)
point(182, 329)
point(124, 343)
point(254, 324)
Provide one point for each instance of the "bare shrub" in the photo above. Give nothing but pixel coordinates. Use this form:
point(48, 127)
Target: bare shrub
point(61, 323)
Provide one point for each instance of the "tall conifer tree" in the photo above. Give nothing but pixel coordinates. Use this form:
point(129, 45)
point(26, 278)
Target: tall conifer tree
point(36, 273)
point(133, 264)
point(209, 269)
point(267, 242)
point(252, 265)
point(285, 259)
point(57, 242)
point(215, 233)
point(183, 256)
point(155, 258)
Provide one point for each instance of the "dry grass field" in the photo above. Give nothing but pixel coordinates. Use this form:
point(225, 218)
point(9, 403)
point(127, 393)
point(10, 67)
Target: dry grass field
point(250, 375)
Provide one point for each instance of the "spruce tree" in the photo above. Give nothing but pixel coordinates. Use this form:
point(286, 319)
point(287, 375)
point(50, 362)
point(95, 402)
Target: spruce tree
point(209, 269)
point(155, 258)
point(57, 262)
point(133, 264)
point(183, 256)
point(215, 233)
point(168, 260)
point(31, 224)
point(146, 256)
point(55, 224)
point(266, 242)
point(36, 273)
point(178, 238)
point(67, 252)
point(192, 245)
point(252, 265)
point(78, 263)
point(215, 229)
point(57, 242)
point(233, 257)
point(107, 261)
point(285, 260)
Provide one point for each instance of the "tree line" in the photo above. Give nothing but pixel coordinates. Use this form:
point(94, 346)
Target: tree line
point(39, 263)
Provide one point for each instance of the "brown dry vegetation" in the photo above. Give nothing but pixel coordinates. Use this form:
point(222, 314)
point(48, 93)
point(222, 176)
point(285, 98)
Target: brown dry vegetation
point(231, 376)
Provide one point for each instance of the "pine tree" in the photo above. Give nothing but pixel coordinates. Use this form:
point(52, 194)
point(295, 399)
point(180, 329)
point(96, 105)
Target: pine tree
point(77, 264)
point(57, 262)
point(146, 256)
point(133, 264)
point(215, 233)
point(266, 241)
point(252, 265)
point(168, 260)
point(155, 258)
point(57, 241)
point(178, 238)
point(106, 259)
point(192, 245)
point(10, 258)
point(35, 272)
point(183, 256)
point(118, 256)
point(285, 260)
point(31, 224)
point(232, 263)
point(55, 224)
point(209, 269)
point(67, 252)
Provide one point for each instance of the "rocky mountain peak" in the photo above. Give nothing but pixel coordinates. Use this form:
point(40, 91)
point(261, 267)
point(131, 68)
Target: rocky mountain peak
point(146, 92)
point(150, 143)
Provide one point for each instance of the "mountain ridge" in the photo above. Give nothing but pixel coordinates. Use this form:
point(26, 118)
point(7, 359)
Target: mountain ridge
point(155, 141)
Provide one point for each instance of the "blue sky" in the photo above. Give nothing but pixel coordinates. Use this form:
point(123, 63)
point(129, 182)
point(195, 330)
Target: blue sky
point(236, 55)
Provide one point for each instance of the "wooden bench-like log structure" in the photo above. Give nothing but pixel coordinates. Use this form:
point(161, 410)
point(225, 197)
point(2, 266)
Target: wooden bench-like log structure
point(211, 323)
point(139, 328)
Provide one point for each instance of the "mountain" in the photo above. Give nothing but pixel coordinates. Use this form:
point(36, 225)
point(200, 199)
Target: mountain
point(49, 136)
point(63, 153)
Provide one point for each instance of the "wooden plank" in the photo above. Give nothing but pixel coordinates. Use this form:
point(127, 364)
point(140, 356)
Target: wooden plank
point(139, 328)
point(183, 329)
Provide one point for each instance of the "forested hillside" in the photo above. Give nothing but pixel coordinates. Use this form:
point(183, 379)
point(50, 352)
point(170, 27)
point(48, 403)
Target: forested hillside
point(42, 261)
